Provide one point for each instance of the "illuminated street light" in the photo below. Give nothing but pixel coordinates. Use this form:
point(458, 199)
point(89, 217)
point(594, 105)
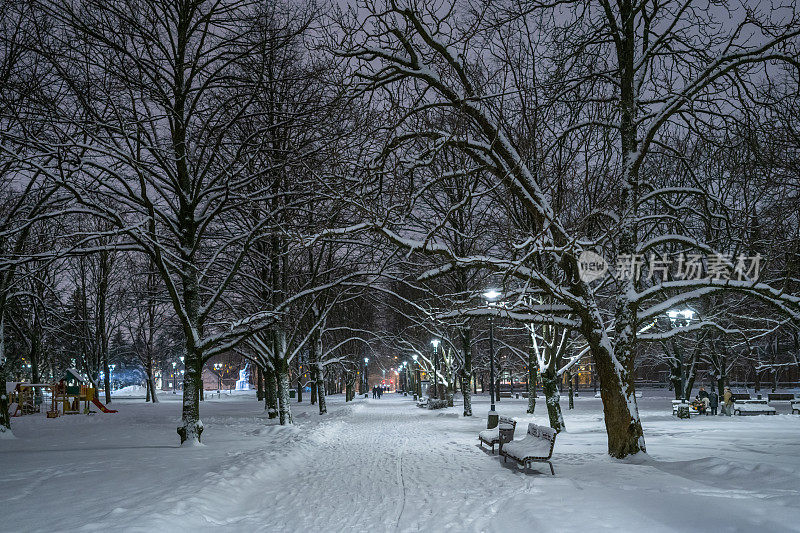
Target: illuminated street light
point(435, 343)
point(491, 297)
point(218, 368)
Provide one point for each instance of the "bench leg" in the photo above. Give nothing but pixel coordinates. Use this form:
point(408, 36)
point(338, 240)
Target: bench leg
point(553, 472)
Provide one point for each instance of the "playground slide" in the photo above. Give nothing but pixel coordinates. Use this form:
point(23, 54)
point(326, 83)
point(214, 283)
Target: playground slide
point(103, 407)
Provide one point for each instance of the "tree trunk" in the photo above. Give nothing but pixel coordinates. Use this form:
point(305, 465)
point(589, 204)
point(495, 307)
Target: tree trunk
point(466, 371)
point(152, 383)
point(191, 427)
point(5, 418)
point(284, 410)
point(320, 388)
point(314, 387)
point(259, 384)
point(571, 391)
point(270, 392)
point(533, 371)
point(550, 390)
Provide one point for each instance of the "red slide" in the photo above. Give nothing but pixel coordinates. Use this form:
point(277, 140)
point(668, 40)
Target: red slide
point(103, 407)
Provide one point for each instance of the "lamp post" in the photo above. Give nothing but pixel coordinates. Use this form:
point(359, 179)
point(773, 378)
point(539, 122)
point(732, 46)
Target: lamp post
point(417, 378)
point(366, 375)
point(491, 296)
point(174, 377)
point(435, 343)
point(111, 376)
point(218, 368)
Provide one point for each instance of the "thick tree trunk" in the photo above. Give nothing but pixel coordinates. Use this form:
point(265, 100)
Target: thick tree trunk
point(551, 398)
point(284, 410)
point(571, 391)
point(270, 392)
point(533, 372)
point(259, 384)
point(191, 427)
point(320, 382)
point(314, 387)
point(5, 419)
point(152, 382)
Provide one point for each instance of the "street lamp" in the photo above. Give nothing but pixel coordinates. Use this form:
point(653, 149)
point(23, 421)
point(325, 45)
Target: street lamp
point(218, 368)
point(418, 377)
point(435, 343)
point(491, 297)
point(110, 375)
point(366, 375)
point(174, 377)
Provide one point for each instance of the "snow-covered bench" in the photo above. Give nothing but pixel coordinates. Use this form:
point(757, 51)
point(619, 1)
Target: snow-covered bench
point(535, 447)
point(796, 407)
point(752, 407)
point(678, 403)
point(490, 437)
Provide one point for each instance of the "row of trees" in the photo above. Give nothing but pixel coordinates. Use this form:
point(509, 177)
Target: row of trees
point(288, 179)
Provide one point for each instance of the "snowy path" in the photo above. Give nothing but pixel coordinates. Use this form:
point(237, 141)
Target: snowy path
point(388, 466)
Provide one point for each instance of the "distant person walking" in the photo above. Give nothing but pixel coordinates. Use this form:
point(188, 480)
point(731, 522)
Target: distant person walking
point(713, 402)
point(374, 392)
point(727, 402)
point(380, 392)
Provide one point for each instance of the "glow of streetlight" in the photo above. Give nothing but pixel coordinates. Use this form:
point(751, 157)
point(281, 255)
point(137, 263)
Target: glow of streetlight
point(414, 357)
point(687, 313)
point(366, 359)
point(491, 295)
point(435, 343)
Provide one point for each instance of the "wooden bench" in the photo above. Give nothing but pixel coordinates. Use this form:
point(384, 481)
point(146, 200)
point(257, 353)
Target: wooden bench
point(752, 407)
point(490, 437)
point(780, 396)
point(796, 407)
point(738, 396)
point(535, 447)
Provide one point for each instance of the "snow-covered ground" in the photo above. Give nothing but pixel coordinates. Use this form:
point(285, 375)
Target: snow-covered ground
point(385, 465)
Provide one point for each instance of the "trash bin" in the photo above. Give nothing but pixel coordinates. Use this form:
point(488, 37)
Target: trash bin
point(683, 410)
point(292, 393)
point(505, 433)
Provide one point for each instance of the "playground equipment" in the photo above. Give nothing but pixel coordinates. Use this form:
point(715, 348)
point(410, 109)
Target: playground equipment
point(70, 392)
point(65, 397)
point(26, 398)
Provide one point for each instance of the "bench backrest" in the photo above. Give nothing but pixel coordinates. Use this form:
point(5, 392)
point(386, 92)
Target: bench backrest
point(740, 396)
point(542, 432)
point(507, 421)
point(780, 396)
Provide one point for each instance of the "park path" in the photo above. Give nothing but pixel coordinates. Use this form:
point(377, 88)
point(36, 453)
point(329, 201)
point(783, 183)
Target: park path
point(390, 465)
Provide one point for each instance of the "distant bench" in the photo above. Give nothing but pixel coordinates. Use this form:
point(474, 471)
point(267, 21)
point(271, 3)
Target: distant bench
point(796, 407)
point(752, 407)
point(780, 396)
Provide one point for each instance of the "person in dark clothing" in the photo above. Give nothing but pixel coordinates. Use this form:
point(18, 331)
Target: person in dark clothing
point(380, 392)
point(713, 402)
point(703, 393)
point(374, 392)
